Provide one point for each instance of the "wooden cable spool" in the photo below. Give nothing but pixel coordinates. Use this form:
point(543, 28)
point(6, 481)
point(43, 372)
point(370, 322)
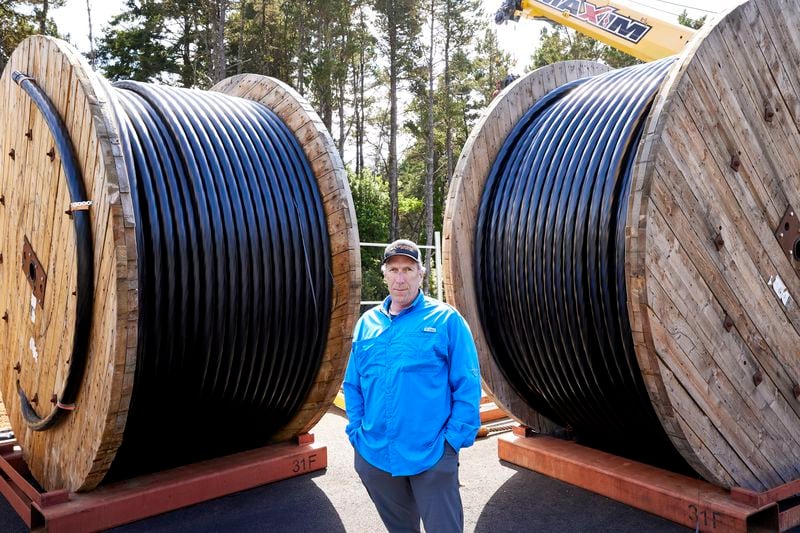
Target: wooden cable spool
point(711, 241)
point(36, 345)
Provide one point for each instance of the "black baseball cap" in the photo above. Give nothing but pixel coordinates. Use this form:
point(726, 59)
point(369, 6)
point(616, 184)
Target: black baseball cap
point(402, 247)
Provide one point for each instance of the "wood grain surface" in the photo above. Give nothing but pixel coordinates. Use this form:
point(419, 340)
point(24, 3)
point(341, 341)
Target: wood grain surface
point(36, 345)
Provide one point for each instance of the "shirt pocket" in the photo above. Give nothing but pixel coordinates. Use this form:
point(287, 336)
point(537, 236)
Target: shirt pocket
point(370, 355)
point(425, 352)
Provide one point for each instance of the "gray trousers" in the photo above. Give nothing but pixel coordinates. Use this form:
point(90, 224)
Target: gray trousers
point(431, 495)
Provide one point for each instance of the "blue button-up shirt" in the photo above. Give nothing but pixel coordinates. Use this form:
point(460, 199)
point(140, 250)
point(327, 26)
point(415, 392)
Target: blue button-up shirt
point(412, 382)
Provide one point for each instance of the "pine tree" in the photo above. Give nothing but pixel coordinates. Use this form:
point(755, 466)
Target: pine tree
point(158, 41)
point(561, 43)
point(459, 26)
point(399, 25)
point(492, 66)
point(15, 25)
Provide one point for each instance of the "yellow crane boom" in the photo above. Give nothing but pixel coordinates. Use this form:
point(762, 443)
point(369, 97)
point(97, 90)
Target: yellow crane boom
point(642, 36)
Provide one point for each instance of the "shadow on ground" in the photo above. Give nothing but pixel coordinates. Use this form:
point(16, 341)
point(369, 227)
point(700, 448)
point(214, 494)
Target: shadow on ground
point(532, 502)
point(295, 504)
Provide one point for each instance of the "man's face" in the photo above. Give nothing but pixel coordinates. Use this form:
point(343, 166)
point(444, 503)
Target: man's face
point(403, 278)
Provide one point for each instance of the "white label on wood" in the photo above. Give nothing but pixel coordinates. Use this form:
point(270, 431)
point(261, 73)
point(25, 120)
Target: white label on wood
point(34, 351)
point(780, 289)
point(33, 308)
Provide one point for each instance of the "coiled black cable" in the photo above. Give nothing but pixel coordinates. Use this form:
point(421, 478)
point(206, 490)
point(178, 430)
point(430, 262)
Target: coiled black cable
point(550, 259)
point(235, 281)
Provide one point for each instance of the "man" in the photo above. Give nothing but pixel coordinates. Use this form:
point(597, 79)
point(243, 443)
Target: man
point(412, 392)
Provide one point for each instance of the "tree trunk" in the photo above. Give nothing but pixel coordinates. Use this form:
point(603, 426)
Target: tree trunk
point(341, 79)
point(301, 37)
point(428, 201)
point(91, 37)
point(187, 70)
point(218, 11)
point(342, 134)
point(394, 220)
point(242, 5)
point(262, 47)
point(493, 53)
point(360, 117)
point(448, 124)
point(357, 118)
point(43, 19)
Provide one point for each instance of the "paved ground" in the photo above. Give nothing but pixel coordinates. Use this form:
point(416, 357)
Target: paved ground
point(498, 497)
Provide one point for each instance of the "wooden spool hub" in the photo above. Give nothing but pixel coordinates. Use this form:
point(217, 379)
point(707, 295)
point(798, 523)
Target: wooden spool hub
point(712, 237)
point(36, 345)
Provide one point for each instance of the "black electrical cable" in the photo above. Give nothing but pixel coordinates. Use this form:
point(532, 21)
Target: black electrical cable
point(235, 284)
point(84, 251)
point(549, 260)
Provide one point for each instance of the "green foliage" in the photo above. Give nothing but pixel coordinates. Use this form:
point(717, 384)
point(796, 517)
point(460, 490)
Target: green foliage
point(399, 21)
point(42, 17)
point(157, 41)
point(561, 44)
point(371, 202)
point(15, 26)
point(21, 19)
point(262, 36)
point(332, 40)
point(685, 20)
point(617, 59)
point(490, 66)
point(134, 47)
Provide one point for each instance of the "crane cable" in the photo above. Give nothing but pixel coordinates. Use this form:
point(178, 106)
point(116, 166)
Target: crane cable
point(550, 256)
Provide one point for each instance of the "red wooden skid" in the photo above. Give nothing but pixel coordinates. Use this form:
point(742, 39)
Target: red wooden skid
point(490, 412)
point(686, 501)
point(130, 500)
point(789, 518)
point(758, 499)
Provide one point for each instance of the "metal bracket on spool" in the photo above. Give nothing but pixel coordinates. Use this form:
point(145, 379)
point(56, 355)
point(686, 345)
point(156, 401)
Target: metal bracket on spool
point(788, 235)
point(34, 271)
point(769, 113)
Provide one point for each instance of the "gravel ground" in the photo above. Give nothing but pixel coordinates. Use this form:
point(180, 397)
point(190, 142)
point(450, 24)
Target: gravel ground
point(498, 497)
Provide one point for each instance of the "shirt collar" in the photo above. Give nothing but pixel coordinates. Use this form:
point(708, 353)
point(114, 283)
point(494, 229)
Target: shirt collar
point(388, 302)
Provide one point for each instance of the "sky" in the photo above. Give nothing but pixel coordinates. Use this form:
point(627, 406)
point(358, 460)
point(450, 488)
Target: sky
point(516, 38)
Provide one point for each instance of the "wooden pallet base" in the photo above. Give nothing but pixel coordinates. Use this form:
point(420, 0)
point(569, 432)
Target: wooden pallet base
point(686, 501)
point(130, 500)
point(490, 412)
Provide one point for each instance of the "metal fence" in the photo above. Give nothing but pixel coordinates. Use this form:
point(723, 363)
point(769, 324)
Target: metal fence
point(435, 262)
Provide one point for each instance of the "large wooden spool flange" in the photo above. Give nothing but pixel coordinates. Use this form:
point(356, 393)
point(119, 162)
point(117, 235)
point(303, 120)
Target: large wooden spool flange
point(717, 169)
point(77, 453)
point(37, 337)
point(712, 293)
